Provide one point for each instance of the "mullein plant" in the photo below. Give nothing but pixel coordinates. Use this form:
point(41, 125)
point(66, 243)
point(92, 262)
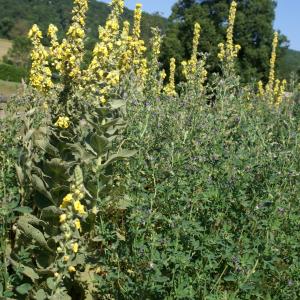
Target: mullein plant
point(64, 170)
point(228, 52)
point(194, 70)
point(274, 90)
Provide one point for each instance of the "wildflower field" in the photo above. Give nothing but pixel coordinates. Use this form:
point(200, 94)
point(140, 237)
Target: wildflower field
point(118, 182)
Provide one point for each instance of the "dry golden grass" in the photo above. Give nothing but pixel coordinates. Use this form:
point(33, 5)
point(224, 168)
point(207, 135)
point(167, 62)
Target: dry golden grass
point(4, 46)
point(8, 89)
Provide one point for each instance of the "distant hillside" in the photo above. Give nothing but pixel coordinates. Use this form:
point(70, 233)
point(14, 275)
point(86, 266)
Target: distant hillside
point(17, 16)
point(4, 46)
point(290, 63)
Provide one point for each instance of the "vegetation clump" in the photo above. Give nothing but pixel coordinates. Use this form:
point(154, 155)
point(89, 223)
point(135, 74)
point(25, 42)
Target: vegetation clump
point(117, 182)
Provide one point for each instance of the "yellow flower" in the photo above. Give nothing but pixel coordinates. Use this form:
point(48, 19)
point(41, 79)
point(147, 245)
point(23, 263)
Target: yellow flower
point(63, 122)
point(79, 207)
point(75, 247)
point(77, 224)
point(62, 218)
point(66, 201)
point(102, 100)
point(72, 269)
point(66, 258)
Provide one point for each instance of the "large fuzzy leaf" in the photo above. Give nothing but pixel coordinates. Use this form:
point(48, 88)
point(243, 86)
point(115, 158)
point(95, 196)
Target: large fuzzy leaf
point(33, 233)
point(39, 186)
point(98, 143)
point(120, 155)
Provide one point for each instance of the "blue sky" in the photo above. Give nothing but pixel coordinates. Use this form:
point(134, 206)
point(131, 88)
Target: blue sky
point(287, 15)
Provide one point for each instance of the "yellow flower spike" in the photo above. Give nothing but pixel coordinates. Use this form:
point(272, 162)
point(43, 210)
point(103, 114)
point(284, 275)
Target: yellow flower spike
point(137, 21)
point(163, 75)
point(273, 62)
point(261, 88)
point(75, 247)
point(40, 74)
point(170, 88)
point(62, 218)
point(229, 51)
point(281, 92)
point(193, 61)
point(67, 56)
point(66, 258)
point(274, 89)
point(72, 269)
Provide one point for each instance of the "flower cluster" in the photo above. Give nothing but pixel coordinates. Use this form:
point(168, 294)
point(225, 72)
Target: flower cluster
point(103, 74)
point(274, 89)
point(170, 87)
point(194, 70)
point(73, 211)
point(138, 46)
point(63, 122)
point(116, 54)
point(189, 68)
point(229, 51)
point(40, 73)
point(67, 56)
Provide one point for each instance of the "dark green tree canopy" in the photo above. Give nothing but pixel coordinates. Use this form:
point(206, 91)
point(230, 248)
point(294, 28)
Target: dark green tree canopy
point(253, 31)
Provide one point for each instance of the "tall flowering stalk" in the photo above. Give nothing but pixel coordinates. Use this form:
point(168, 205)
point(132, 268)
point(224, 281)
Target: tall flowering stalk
point(189, 67)
point(67, 56)
point(154, 84)
point(170, 87)
point(40, 73)
point(125, 51)
point(270, 84)
point(103, 74)
point(229, 51)
point(138, 47)
point(194, 69)
point(70, 224)
point(274, 89)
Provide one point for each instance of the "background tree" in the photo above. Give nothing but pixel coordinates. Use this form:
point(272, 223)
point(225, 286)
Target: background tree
point(253, 31)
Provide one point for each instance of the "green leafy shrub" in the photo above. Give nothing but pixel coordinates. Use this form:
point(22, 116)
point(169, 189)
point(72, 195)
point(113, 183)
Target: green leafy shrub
point(12, 73)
